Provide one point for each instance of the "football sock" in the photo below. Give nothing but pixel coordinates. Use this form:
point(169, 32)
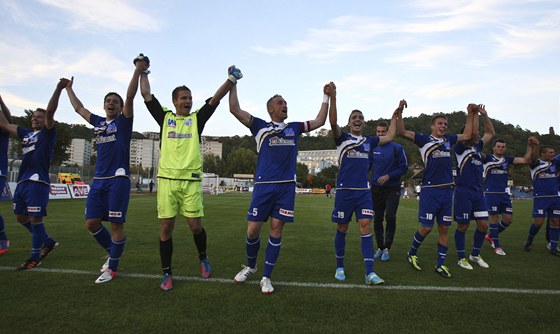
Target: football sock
point(117, 248)
point(554, 235)
point(495, 233)
point(533, 230)
point(442, 253)
point(367, 251)
point(459, 244)
point(103, 238)
point(416, 242)
point(2, 229)
point(38, 235)
point(339, 248)
point(478, 241)
point(272, 253)
point(252, 249)
point(200, 242)
point(502, 226)
point(165, 254)
point(27, 225)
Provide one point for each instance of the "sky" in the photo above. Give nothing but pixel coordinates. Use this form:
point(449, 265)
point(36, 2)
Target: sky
point(438, 55)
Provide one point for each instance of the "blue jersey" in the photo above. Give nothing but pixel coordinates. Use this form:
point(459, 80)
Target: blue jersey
point(388, 159)
point(469, 165)
point(37, 153)
point(113, 146)
point(436, 157)
point(277, 146)
point(545, 178)
point(353, 159)
point(4, 142)
point(495, 173)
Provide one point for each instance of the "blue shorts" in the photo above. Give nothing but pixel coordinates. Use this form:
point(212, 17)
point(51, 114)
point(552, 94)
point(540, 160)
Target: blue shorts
point(499, 204)
point(469, 205)
point(274, 200)
point(546, 206)
point(31, 198)
point(435, 203)
point(348, 202)
point(108, 199)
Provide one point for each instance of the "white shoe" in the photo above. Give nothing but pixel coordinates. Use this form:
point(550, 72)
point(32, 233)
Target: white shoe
point(266, 286)
point(107, 276)
point(463, 263)
point(244, 273)
point(548, 246)
point(105, 265)
point(478, 260)
point(499, 251)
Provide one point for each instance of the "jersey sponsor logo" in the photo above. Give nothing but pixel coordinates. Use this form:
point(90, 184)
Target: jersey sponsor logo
point(289, 132)
point(287, 213)
point(356, 154)
point(34, 209)
point(171, 123)
point(275, 141)
point(556, 212)
point(188, 122)
point(509, 210)
point(105, 139)
point(498, 171)
point(27, 149)
point(440, 154)
point(115, 214)
point(367, 212)
point(447, 218)
point(546, 176)
point(476, 162)
point(174, 134)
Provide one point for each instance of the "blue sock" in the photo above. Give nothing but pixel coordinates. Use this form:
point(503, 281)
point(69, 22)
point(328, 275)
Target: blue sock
point(442, 253)
point(2, 229)
point(478, 241)
point(494, 230)
point(272, 253)
point(252, 249)
point(416, 242)
point(117, 248)
point(27, 225)
point(533, 230)
point(502, 226)
point(554, 235)
point(339, 248)
point(460, 243)
point(38, 235)
point(103, 238)
point(367, 252)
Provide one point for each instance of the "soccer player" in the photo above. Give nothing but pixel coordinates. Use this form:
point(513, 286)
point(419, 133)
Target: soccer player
point(353, 188)
point(275, 177)
point(180, 167)
point(389, 164)
point(436, 200)
point(32, 192)
point(109, 194)
point(546, 197)
point(4, 142)
point(468, 200)
point(496, 170)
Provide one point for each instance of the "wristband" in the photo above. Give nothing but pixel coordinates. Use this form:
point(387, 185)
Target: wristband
point(325, 98)
point(233, 79)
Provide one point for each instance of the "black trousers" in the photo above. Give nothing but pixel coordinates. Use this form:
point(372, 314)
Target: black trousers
point(385, 205)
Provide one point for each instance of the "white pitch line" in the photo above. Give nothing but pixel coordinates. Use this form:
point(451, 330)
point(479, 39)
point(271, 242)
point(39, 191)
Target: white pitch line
point(310, 285)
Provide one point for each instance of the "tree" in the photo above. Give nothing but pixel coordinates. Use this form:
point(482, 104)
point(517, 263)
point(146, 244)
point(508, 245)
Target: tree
point(301, 173)
point(326, 175)
point(213, 164)
point(241, 161)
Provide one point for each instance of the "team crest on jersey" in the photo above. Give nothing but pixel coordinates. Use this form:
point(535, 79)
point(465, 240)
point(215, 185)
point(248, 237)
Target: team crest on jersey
point(171, 123)
point(111, 128)
point(366, 147)
point(289, 132)
point(446, 144)
point(188, 122)
point(553, 168)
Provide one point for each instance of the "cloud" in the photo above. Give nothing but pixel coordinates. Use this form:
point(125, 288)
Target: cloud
point(115, 15)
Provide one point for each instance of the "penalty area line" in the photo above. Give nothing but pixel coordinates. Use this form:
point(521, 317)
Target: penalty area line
point(308, 284)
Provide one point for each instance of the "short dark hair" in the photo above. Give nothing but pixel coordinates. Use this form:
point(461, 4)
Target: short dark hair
point(117, 95)
point(269, 102)
point(545, 147)
point(353, 111)
point(383, 124)
point(40, 110)
point(177, 90)
point(498, 141)
point(436, 117)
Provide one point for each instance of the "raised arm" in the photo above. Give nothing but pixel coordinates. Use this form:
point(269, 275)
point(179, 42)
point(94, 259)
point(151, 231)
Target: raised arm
point(319, 121)
point(141, 66)
point(467, 134)
point(489, 131)
point(53, 102)
point(234, 75)
point(401, 131)
point(391, 132)
point(525, 159)
point(76, 103)
point(5, 110)
point(6, 120)
point(330, 91)
point(243, 116)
